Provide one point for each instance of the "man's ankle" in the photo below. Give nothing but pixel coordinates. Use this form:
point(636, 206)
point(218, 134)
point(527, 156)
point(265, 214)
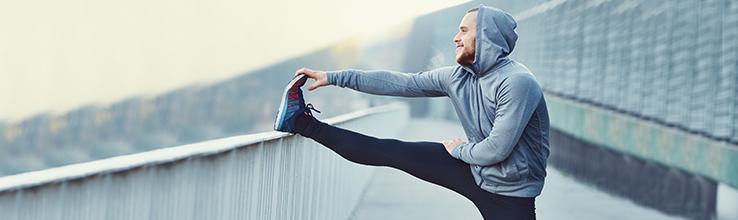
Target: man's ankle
point(304, 124)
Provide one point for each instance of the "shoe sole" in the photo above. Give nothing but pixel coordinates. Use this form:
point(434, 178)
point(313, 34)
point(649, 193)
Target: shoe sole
point(283, 104)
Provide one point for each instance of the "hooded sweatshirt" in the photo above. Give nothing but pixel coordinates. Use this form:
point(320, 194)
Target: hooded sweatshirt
point(498, 100)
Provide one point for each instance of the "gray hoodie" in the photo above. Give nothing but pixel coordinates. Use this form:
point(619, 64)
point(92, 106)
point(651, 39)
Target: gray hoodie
point(498, 100)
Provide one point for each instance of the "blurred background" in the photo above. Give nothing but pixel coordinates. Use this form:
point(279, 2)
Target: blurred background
point(643, 95)
point(84, 80)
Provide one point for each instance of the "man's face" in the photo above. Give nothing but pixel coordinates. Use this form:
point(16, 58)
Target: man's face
point(466, 39)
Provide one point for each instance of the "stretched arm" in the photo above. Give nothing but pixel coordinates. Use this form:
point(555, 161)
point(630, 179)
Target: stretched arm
point(518, 97)
point(431, 83)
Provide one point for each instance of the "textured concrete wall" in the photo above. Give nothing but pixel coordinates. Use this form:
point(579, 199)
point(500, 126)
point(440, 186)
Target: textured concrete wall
point(671, 62)
point(647, 183)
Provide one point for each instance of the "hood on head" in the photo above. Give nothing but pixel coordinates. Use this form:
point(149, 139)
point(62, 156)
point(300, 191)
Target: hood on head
point(495, 40)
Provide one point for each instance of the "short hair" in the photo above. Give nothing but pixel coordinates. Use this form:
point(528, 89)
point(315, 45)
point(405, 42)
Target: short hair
point(472, 10)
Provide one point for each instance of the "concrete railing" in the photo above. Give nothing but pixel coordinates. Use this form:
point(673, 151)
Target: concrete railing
point(269, 175)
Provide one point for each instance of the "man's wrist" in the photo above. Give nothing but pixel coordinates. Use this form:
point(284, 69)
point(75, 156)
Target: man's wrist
point(456, 153)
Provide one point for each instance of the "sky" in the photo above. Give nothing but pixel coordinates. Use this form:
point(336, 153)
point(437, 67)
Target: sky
point(59, 55)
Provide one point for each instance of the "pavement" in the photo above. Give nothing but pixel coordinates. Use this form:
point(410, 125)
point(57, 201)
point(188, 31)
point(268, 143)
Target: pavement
point(395, 195)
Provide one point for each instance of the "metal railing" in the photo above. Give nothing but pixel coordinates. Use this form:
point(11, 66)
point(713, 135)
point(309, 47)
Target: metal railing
point(269, 175)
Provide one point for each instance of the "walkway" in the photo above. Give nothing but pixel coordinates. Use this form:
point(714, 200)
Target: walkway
point(394, 195)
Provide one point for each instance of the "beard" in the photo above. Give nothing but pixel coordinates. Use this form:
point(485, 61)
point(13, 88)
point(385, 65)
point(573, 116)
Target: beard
point(465, 57)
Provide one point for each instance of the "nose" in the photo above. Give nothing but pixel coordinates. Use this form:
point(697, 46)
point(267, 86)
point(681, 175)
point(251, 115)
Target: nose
point(457, 39)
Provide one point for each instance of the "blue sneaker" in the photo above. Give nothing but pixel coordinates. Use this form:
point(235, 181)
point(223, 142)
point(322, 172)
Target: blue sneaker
point(292, 105)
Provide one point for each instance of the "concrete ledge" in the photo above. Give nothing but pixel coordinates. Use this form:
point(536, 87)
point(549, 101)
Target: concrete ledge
point(646, 139)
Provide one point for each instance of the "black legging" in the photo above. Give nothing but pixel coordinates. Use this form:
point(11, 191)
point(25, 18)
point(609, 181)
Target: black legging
point(428, 161)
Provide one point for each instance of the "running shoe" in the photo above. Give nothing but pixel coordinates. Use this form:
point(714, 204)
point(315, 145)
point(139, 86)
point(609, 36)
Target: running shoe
point(292, 105)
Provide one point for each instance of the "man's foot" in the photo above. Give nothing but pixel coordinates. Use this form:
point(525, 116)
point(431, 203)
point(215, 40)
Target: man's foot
point(292, 106)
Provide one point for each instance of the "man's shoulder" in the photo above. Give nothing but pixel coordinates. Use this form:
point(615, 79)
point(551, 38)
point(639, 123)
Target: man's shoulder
point(518, 71)
point(515, 68)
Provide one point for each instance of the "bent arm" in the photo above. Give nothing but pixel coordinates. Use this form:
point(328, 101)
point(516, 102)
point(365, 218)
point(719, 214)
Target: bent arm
point(433, 83)
point(518, 98)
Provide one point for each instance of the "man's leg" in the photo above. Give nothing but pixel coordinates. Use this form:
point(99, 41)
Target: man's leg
point(493, 206)
point(428, 161)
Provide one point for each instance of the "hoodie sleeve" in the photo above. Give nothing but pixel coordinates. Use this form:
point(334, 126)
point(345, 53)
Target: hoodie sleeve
point(433, 83)
point(518, 97)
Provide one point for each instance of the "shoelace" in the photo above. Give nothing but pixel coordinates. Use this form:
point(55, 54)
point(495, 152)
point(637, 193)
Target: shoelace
point(310, 106)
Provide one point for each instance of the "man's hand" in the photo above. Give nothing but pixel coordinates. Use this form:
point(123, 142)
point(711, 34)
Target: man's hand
point(321, 79)
point(452, 144)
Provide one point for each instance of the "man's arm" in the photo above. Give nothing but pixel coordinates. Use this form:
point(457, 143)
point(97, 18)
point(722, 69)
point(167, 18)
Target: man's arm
point(431, 83)
point(518, 97)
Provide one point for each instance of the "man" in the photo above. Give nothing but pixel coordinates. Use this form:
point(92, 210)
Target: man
point(500, 104)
